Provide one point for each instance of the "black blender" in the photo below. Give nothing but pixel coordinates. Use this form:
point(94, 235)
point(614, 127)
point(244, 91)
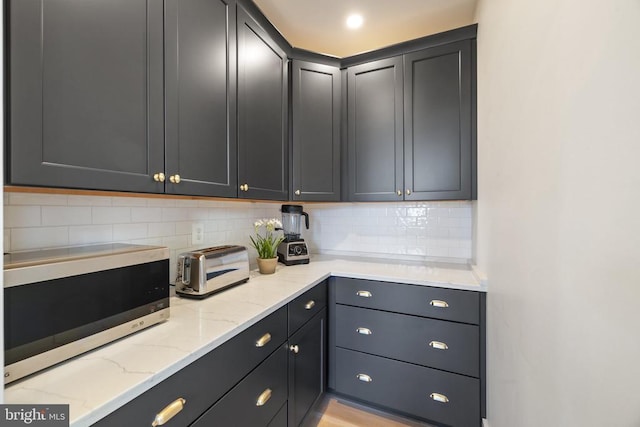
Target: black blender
point(293, 250)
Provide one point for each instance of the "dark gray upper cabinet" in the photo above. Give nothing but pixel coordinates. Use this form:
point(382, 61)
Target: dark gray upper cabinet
point(374, 115)
point(437, 123)
point(86, 94)
point(262, 113)
point(315, 160)
point(410, 126)
point(200, 73)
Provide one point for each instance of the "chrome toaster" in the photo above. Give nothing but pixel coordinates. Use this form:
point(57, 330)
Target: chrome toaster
point(203, 272)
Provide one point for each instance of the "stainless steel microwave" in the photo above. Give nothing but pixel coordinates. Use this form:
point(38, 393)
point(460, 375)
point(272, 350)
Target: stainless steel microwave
point(59, 303)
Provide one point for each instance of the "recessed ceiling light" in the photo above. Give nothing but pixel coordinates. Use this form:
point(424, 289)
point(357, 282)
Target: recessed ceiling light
point(354, 21)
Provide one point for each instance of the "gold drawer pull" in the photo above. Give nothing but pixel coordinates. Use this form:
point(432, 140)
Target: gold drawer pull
point(310, 305)
point(294, 348)
point(438, 345)
point(364, 331)
point(364, 294)
point(168, 412)
point(439, 397)
point(439, 303)
point(263, 340)
point(264, 397)
point(364, 378)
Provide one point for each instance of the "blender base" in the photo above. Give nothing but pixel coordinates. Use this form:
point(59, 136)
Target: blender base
point(293, 261)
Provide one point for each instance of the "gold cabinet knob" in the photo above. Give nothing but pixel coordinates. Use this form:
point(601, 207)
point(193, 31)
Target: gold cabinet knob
point(264, 397)
point(399, 192)
point(244, 187)
point(297, 192)
point(169, 412)
point(294, 348)
point(158, 177)
point(175, 179)
point(408, 192)
point(263, 340)
point(310, 305)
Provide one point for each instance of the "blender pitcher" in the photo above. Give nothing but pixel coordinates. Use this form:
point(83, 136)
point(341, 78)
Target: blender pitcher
point(291, 216)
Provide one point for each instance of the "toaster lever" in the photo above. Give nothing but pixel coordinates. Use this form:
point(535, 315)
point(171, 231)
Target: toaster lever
point(186, 271)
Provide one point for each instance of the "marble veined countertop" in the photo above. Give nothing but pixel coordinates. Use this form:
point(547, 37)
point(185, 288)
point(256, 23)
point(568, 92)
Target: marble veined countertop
point(100, 381)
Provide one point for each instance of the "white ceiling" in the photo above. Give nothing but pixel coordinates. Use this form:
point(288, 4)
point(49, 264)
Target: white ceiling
point(319, 25)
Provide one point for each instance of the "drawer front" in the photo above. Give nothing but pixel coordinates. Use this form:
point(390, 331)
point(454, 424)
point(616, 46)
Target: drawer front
point(256, 400)
point(426, 393)
point(426, 301)
point(454, 347)
point(306, 306)
point(207, 379)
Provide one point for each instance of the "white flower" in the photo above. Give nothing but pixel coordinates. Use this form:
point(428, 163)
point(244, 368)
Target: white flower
point(272, 224)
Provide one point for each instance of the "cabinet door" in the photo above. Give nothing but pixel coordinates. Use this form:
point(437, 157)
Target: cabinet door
point(86, 94)
point(316, 132)
point(307, 367)
point(200, 67)
point(437, 120)
point(375, 130)
point(262, 113)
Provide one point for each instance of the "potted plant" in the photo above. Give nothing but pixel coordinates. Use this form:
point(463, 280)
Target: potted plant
point(267, 245)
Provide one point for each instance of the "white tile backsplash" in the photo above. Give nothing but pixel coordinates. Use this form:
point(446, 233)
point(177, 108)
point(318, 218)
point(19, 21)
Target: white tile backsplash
point(415, 231)
point(411, 230)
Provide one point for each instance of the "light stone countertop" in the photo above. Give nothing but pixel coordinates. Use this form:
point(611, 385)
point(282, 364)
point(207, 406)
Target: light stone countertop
point(102, 380)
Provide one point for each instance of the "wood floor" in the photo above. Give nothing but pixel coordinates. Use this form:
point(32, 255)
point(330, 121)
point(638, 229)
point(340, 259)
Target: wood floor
point(336, 412)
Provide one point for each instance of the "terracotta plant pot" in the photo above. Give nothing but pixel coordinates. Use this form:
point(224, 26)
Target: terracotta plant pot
point(267, 265)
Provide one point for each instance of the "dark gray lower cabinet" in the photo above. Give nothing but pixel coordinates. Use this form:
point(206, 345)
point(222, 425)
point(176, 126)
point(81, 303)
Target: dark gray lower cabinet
point(206, 380)
point(241, 383)
point(307, 351)
point(85, 96)
point(307, 367)
point(262, 113)
point(449, 346)
point(430, 394)
point(416, 350)
point(255, 400)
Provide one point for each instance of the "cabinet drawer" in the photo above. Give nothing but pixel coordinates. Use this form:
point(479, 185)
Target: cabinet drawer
point(306, 306)
point(438, 344)
point(207, 379)
point(426, 301)
point(409, 388)
point(256, 400)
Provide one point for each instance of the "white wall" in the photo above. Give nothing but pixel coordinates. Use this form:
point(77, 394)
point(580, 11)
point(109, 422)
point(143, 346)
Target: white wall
point(558, 227)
